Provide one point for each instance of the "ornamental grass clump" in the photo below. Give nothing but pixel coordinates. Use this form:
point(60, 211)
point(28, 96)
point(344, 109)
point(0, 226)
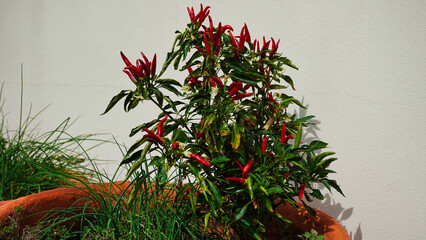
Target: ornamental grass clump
point(238, 150)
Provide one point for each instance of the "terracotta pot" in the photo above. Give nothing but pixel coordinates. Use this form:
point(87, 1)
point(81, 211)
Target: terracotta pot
point(36, 206)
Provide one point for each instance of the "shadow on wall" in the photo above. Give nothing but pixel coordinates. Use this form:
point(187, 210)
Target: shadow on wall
point(328, 205)
point(339, 213)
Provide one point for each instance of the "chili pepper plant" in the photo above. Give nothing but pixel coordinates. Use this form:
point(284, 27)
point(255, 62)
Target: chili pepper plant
point(230, 133)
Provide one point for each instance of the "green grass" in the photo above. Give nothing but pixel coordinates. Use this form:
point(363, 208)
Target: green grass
point(150, 216)
point(32, 162)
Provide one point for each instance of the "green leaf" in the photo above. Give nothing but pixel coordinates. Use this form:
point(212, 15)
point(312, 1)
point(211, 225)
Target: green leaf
point(298, 137)
point(216, 193)
point(334, 185)
point(281, 218)
point(250, 187)
point(250, 229)
point(116, 99)
point(274, 190)
point(309, 209)
point(267, 203)
point(168, 81)
point(303, 119)
point(315, 145)
point(240, 213)
point(145, 125)
point(322, 156)
point(134, 156)
point(219, 160)
point(172, 89)
point(288, 80)
point(193, 199)
point(224, 129)
point(236, 137)
point(206, 221)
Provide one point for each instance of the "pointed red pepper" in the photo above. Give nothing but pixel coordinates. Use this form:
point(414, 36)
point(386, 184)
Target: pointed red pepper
point(125, 59)
point(218, 82)
point(284, 138)
point(239, 165)
point(160, 126)
point(274, 48)
point(265, 139)
point(200, 160)
point(212, 82)
point(241, 96)
point(154, 65)
point(246, 169)
point(152, 137)
point(233, 88)
point(206, 43)
point(301, 192)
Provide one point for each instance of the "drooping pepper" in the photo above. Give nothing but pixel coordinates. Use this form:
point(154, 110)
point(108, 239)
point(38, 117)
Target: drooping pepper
point(200, 159)
point(301, 192)
point(218, 82)
point(265, 139)
point(246, 169)
point(241, 96)
point(152, 137)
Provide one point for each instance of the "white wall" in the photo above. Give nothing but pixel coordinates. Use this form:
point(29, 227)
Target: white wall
point(362, 73)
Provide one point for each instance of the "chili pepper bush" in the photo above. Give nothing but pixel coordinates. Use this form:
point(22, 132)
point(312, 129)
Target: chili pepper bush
point(238, 150)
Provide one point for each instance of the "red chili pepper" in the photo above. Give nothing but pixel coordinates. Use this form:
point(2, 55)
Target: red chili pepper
point(200, 159)
point(175, 146)
point(246, 169)
point(274, 48)
point(302, 190)
point(265, 139)
point(132, 78)
point(241, 96)
point(233, 88)
point(247, 86)
point(141, 65)
point(206, 43)
point(218, 82)
point(234, 44)
point(154, 65)
point(224, 28)
point(153, 137)
point(191, 14)
point(125, 59)
point(284, 138)
point(201, 50)
point(217, 48)
point(235, 179)
point(212, 83)
point(239, 165)
point(261, 68)
point(160, 126)
point(147, 63)
point(200, 135)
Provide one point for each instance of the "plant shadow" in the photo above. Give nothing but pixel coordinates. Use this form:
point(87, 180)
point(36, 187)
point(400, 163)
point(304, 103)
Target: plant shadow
point(328, 205)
